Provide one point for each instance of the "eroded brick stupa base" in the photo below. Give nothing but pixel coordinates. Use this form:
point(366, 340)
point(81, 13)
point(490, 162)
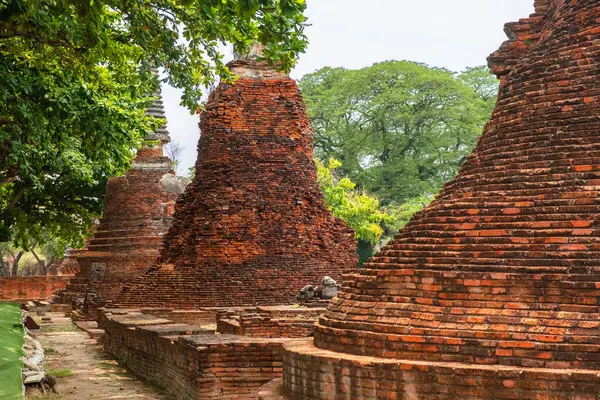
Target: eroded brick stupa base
point(311, 373)
point(493, 290)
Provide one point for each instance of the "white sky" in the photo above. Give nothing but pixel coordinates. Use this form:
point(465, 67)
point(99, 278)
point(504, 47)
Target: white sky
point(356, 33)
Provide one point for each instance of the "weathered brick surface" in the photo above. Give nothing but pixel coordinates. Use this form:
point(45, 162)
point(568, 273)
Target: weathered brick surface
point(189, 362)
point(138, 209)
point(316, 374)
point(31, 287)
point(137, 212)
point(191, 317)
point(503, 267)
point(69, 265)
point(253, 227)
point(502, 271)
point(269, 322)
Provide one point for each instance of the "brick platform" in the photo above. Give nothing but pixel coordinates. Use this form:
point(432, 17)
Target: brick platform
point(311, 373)
point(252, 229)
point(493, 290)
point(188, 361)
point(267, 322)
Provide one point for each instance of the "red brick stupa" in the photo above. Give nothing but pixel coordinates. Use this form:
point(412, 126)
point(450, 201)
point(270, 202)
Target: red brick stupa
point(493, 291)
point(137, 213)
point(252, 228)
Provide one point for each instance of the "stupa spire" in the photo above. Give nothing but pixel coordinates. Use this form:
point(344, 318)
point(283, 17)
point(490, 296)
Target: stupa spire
point(253, 224)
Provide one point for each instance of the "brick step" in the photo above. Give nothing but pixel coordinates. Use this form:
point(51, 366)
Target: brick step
point(492, 265)
point(308, 376)
point(492, 348)
point(121, 243)
point(125, 231)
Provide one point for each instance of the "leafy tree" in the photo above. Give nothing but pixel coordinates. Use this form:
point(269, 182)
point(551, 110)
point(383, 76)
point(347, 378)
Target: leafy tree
point(484, 84)
point(75, 79)
point(356, 207)
point(400, 129)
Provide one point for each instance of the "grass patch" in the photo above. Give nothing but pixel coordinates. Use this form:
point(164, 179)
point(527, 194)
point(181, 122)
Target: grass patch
point(49, 351)
point(58, 328)
point(11, 349)
point(110, 365)
point(60, 373)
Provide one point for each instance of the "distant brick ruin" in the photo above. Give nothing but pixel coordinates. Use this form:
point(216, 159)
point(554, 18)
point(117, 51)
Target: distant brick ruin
point(68, 265)
point(492, 291)
point(137, 213)
point(252, 228)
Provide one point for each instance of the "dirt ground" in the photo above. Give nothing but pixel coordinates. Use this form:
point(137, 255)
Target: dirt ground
point(83, 369)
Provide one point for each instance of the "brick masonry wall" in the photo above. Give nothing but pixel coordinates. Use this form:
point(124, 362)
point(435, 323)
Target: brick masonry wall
point(270, 322)
point(191, 363)
point(503, 267)
point(31, 287)
point(190, 317)
point(253, 227)
point(311, 373)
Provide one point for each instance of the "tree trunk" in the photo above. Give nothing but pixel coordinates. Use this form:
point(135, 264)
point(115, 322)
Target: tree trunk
point(4, 268)
point(41, 263)
point(50, 264)
point(15, 266)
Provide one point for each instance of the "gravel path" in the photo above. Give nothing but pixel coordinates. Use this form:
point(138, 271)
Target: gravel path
point(90, 372)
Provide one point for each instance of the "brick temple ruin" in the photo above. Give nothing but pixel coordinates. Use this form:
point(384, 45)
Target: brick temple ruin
point(252, 228)
point(137, 213)
point(210, 319)
point(493, 290)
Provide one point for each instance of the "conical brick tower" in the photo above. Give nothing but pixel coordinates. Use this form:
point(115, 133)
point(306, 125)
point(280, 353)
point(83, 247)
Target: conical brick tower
point(252, 228)
point(492, 291)
point(137, 213)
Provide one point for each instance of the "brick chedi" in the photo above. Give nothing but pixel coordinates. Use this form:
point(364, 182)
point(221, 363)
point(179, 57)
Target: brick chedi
point(252, 228)
point(492, 291)
point(137, 213)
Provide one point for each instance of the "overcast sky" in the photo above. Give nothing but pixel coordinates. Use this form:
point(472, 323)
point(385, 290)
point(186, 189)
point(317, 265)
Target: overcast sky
point(356, 33)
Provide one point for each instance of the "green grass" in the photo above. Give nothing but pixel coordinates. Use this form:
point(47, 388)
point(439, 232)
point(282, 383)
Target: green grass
point(60, 373)
point(49, 351)
point(11, 349)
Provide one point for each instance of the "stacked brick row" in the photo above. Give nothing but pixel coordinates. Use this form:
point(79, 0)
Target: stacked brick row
point(189, 362)
point(315, 374)
point(269, 322)
point(137, 213)
point(501, 273)
point(24, 288)
point(253, 227)
point(69, 265)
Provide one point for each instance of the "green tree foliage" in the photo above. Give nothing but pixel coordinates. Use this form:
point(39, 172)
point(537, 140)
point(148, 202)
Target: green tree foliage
point(400, 129)
point(357, 208)
point(371, 221)
point(75, 80)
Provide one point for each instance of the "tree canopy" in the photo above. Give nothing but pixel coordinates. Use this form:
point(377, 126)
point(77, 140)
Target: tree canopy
point(400, 129)
point(357, 208)
point(75, 79)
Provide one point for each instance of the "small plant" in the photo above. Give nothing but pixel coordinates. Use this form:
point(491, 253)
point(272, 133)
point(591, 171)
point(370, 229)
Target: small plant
point(60, 373)
point(49, 351)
